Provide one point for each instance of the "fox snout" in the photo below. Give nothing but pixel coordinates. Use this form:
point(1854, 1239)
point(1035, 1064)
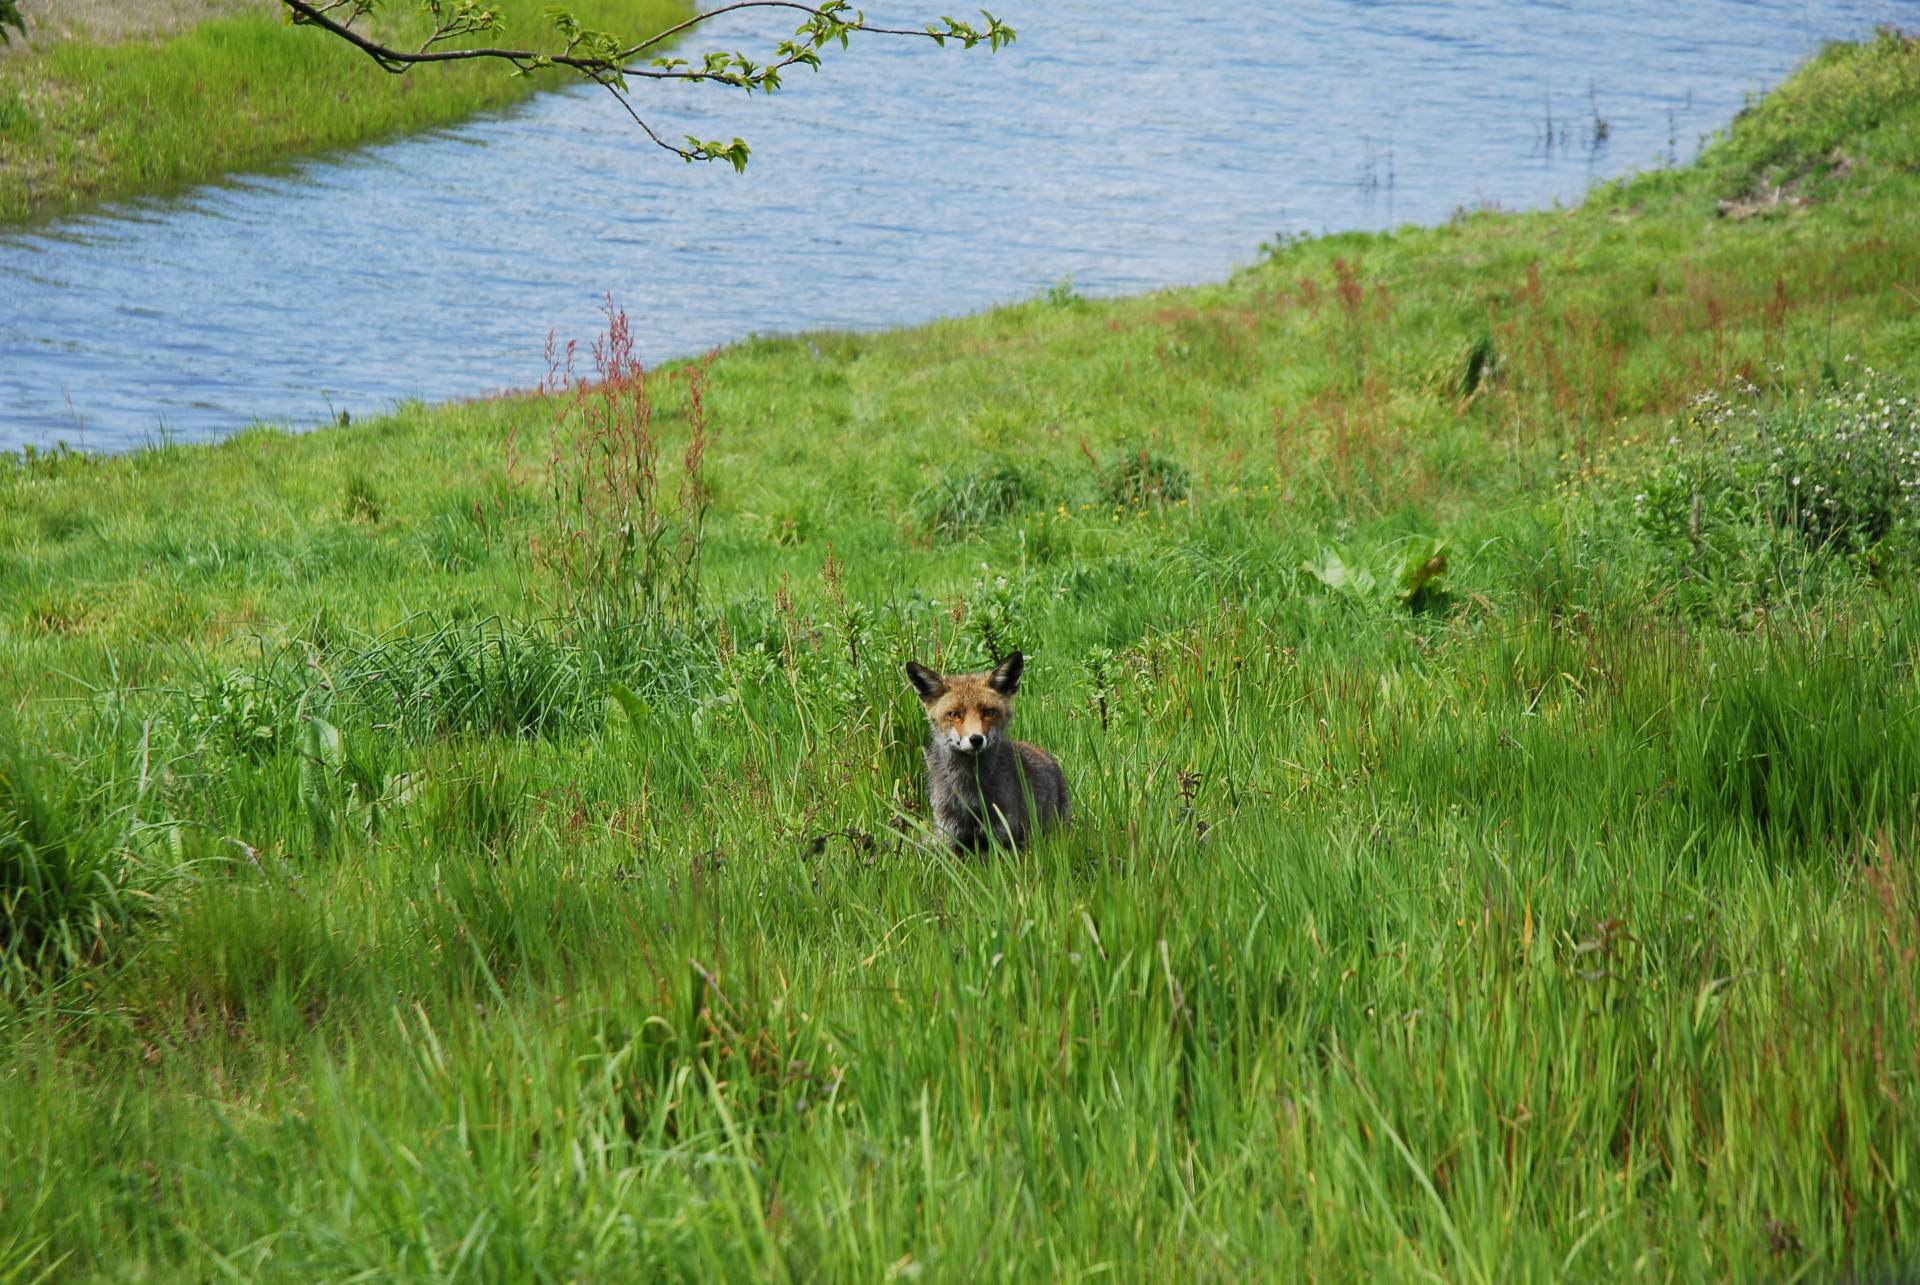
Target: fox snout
point(969, 728)
point(967, 740)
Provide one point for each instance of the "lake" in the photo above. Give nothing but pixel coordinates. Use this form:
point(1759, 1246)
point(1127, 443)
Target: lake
point(1121, 148)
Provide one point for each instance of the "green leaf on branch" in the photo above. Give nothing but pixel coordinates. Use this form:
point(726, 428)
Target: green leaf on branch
point(734, 153)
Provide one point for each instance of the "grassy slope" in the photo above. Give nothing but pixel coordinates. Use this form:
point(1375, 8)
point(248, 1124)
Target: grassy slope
point(1542, 932)
point(81, 123)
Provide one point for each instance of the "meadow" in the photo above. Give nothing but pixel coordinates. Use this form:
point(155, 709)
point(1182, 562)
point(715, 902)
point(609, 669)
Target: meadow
point(83, 121)
point(485, 841)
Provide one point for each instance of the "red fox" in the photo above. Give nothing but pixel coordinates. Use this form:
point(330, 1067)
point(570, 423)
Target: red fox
point(985, 787)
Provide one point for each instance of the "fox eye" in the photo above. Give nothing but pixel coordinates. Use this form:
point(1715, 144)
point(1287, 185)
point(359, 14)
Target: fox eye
point(953, 716)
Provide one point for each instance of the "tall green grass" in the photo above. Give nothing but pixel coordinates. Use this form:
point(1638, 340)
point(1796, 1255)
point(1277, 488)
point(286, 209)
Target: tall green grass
point(81, 123)
point(67, 877)
point(1555, 918)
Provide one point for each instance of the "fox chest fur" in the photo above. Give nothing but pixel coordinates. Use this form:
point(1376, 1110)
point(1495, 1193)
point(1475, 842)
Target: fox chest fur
point(985, 787)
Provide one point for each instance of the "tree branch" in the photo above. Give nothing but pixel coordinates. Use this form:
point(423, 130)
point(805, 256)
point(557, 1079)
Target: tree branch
point(823, 24)
point(605, 60)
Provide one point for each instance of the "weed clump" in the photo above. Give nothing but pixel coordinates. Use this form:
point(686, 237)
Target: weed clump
point(620, 544)
point(1482, 362)
point(247, 715)
point(1411, 577)
point(427, 680)
point(961, 504)
point(67, 870)
point(1807, 751)
point(1141, 478)
point(360, 502)
point(492, 677)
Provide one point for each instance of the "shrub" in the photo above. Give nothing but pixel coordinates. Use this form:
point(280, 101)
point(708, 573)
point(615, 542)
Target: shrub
point(1840, 471)
point(1061, 294)
point(1751, 502)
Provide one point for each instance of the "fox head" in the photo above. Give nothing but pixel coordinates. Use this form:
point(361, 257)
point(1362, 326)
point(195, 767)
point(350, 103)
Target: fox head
point(969, 713)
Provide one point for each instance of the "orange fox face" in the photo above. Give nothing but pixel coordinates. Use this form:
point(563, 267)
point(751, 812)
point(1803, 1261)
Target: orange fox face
point(969, 713)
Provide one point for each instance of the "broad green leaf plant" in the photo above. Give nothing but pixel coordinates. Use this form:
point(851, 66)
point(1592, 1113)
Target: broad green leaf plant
point(459, 30)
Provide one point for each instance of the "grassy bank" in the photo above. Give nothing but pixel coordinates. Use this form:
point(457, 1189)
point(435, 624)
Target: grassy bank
point(82, 122)
point(483, 841)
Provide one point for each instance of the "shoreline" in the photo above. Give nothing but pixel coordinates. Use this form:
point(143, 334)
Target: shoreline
point(85, 121)
point(263, 370)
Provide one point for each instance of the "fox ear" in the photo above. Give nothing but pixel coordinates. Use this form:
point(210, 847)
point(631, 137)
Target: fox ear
point(929, 684)
point(1005, 677)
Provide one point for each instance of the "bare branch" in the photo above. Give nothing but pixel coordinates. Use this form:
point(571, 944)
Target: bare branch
point(645, 128)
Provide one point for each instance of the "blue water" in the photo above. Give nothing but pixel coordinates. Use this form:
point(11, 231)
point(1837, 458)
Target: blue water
point(1124, 147)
